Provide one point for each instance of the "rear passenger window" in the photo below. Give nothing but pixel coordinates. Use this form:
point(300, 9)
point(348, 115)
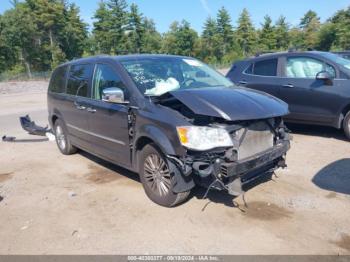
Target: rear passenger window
point(78, 81)
point(58, 80)
point(266, 68)
point(249, 70)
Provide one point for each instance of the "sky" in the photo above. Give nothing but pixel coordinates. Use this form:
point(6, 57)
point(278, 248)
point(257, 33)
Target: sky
point(164, 12)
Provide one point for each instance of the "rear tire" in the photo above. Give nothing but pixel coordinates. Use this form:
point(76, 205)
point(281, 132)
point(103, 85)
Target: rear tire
point(62, 139)
point(346, 125)
point(156, 175)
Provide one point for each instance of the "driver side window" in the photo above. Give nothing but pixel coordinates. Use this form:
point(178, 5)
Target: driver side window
point(306, 67)
point(105, 77)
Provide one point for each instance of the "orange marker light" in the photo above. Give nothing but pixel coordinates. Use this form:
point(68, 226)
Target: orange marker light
point(182, 132)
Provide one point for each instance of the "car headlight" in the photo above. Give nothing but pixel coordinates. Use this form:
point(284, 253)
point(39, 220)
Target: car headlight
point(203, 138)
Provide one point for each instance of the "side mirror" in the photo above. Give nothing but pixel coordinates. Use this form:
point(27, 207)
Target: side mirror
point(113, 95)
point(325, 76)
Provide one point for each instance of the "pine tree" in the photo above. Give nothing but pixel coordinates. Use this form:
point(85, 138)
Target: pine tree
point(341, 24)
point(211, 42)
point(307, 19)
point(137, 30)
point(282, 34)
point(118, 25)
point(152, 40)
point(327, 37)
point(296, 38)
point(310, 25)
point(267, 35)
point(49, 18)
point(101, 37)
point(225, 30)
point(110, 27)
point(210, 28)
point(181, 39)
point(74, 34)
point(245, 33)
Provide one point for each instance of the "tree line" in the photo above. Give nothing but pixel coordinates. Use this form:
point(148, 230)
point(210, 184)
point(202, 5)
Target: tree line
point(37, 35)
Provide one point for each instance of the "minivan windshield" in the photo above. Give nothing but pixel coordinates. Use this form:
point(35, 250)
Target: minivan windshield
point(155, 76)
point(337, 59)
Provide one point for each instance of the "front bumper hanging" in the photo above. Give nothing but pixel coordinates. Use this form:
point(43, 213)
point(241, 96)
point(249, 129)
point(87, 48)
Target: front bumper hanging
point(215, 172)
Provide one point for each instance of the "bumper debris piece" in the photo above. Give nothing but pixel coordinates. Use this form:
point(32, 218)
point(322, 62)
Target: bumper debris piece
point(8, 138)
point(33, 129)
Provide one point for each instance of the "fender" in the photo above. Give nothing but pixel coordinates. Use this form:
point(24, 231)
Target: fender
point(157, 136)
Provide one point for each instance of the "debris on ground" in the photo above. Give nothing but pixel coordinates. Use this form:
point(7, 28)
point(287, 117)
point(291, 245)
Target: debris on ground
point(72, 194)
point(33, 129)
point(8, 138)
point(24, 227)
point(50, 136)
point(1, 198)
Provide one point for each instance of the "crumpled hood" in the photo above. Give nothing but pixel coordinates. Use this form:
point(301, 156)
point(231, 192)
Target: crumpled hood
point(232, 104)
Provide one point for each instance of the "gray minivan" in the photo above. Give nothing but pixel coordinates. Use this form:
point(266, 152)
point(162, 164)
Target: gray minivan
point(173, 120)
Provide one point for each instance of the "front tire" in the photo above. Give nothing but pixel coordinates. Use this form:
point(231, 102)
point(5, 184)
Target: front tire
point(62, 139)
point(156, 175)
point(346, 125)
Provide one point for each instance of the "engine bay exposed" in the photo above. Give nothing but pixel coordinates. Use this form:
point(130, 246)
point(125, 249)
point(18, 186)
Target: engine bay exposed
point(259, 145)
point(169, 101)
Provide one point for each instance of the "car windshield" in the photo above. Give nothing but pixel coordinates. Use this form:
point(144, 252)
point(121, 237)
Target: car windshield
point(155, 76)
point(337, 59)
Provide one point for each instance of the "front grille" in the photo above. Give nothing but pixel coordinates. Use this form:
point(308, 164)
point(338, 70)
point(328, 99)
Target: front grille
point(257, 137)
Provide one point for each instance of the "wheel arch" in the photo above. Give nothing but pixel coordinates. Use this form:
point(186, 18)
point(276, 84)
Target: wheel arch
point(182, 183)
point(343, 113)
point(346, 110)
point(54, 116)
point(150, 134)
point(53, 119)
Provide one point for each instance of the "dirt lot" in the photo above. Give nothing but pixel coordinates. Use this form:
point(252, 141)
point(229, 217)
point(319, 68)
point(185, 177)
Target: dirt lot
point(55, 204)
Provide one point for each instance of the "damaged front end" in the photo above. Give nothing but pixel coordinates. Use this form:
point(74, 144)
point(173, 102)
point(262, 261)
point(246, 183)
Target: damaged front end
point(257, 145)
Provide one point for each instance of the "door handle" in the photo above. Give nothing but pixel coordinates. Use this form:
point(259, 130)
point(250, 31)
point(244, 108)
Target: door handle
point(242, 82)
point(288, 86)
point(79, 107)
point(91, 110)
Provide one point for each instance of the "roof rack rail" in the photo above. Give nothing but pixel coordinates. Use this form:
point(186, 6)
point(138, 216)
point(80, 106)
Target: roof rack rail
point(99, 55)
point(295, 49)
point(263, 53)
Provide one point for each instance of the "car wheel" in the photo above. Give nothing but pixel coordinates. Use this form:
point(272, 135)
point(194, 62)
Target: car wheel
point(346, 125)
point(62, 139)
point(156, 175)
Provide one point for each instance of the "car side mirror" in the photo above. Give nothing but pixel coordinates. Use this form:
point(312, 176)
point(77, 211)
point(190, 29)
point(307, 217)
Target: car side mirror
point(113, 95)
point(325, 77)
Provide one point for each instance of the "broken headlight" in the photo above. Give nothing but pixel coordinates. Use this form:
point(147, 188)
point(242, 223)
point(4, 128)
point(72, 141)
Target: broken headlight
point(203, 138)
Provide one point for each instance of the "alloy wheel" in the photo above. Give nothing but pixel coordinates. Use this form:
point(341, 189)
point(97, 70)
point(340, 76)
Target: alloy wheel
point(60, 137)
point(157, 175)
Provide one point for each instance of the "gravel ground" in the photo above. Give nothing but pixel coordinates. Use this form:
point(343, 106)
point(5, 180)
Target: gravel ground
point(55, 204)
point(23, 87)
